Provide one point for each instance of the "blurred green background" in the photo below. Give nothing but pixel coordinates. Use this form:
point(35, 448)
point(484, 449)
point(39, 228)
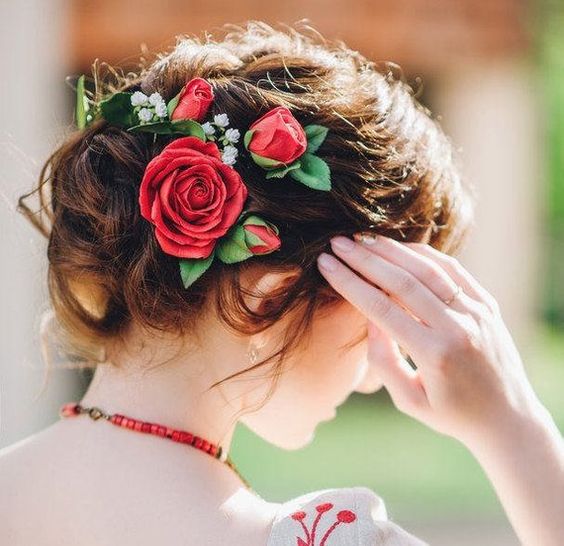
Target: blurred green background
point(551, 56)
point(421, 475)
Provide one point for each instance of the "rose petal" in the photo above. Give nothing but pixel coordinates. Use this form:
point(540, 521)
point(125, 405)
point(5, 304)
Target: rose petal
point(191, 197)
point(194, 143)
point(184, 251)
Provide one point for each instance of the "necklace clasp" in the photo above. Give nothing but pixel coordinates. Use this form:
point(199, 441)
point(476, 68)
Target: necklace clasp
point(95, 413)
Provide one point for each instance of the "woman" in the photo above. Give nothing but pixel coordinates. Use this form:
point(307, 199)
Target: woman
point(212, 253)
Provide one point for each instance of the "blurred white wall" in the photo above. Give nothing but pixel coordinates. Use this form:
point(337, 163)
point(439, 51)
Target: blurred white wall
point(492, 113)
point(32, 64)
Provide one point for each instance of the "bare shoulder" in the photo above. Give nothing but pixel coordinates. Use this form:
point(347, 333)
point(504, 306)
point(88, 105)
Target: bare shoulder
point(21, 461)
point(28, 446)
point(65, 485)
point(25, 467)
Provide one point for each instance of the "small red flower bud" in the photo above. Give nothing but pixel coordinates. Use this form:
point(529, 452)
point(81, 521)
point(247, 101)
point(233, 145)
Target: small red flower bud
point(194, 100)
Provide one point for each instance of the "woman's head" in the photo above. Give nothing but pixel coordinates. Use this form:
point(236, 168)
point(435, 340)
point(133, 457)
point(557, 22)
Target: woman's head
point(391, 169)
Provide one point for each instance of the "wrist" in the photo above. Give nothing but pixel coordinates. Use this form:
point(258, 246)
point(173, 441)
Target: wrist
point(516, 427)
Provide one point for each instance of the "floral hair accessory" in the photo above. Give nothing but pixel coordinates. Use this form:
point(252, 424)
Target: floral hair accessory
point(190, 192)
point(193, 101)
point(217, 130)
point(278, 143)
point(191, 197)
point(138, 112)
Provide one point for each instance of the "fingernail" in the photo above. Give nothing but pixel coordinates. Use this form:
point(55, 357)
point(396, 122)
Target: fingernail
point(342, 243)
point(367, 239)
point(327, 262)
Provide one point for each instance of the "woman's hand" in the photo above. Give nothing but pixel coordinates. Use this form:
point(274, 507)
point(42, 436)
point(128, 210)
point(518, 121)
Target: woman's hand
point(470, 382)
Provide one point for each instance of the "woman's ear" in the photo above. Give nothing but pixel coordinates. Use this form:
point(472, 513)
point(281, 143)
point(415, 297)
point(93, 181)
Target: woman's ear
point(261, 285)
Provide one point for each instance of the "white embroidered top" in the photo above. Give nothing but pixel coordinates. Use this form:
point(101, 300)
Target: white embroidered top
point(347, 516)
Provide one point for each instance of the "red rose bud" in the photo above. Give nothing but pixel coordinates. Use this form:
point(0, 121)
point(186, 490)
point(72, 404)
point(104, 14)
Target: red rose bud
point(277, 136)
point(261, 237)
point(191, 197)
point(193, 101)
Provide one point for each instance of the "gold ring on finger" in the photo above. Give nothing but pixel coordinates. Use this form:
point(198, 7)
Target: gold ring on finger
point(452, 298)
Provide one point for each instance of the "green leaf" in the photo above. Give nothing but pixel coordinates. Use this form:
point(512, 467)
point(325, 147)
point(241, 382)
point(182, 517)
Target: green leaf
point(178, 126)
point(232, 247)
point(314, 173)
point(247, 138)
point(157, 127)
point(280, 173)
point(172, 104)
point(188, 127)
point(82, 105)
point(117, 110)
point(315, 136)
point(266, 163)
point(192, 269)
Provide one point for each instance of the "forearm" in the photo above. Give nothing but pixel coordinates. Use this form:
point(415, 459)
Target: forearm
point(525, 464)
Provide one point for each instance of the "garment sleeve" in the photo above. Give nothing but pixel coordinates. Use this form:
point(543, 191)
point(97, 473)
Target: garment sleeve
point(349, 516)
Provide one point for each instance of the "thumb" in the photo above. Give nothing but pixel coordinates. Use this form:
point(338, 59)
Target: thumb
point(401, 381)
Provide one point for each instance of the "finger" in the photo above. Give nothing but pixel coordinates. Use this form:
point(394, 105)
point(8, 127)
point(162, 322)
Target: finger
point(406, 287)
point(401, 381)
point(427, 270)
point(375, 305)
point(457, 271)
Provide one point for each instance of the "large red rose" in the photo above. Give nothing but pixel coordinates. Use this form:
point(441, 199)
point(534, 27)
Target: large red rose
point(191, 197)
point(278, 136)
point(194, 100)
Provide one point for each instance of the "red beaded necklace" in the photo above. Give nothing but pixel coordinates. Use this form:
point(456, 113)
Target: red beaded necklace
point(72, 409)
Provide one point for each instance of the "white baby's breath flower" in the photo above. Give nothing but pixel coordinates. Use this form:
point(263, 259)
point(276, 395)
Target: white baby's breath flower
point(229, 160)
point(160, 110)
point(221, 120)
point(208, 128)
point(229, 155)
point(232, 135)
point(139, 98)
point(155, 98)
point(145, 115)
point(231, 150)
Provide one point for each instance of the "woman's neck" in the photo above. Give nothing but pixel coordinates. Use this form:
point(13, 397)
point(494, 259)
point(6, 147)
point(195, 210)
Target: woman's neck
point(174, 393)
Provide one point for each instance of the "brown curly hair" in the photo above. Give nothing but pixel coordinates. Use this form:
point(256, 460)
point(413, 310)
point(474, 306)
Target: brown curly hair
point(392, 171)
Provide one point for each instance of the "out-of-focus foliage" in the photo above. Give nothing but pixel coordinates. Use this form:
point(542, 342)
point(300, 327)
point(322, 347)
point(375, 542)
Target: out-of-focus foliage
point(551, 52)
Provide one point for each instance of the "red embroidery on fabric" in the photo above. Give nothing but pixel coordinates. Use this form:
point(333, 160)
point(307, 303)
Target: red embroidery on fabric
point(343, 516)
